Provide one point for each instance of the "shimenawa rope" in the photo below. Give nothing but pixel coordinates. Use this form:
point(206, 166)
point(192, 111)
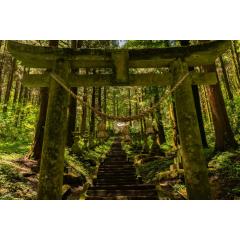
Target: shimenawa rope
point(102, 115)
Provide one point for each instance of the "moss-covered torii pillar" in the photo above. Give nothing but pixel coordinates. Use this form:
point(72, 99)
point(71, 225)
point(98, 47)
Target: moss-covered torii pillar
point(52, 162)
point(194, 163)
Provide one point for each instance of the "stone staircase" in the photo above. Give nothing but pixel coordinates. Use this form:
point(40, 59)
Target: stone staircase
point(117, 180)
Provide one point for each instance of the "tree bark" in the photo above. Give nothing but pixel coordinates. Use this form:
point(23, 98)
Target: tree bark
point(84, 113)
point(225, 79)
point(223, 131)
point(236, 66)
point(9, 85)
point(99, 99)
point(158, 117)
point(16, 92)
point(129, 105)
point(105, 102)
point(237, 53)
point(72, 113)
point(92, 121)
point(1, 70)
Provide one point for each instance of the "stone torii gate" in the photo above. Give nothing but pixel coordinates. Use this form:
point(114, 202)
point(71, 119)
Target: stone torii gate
point(61, 61)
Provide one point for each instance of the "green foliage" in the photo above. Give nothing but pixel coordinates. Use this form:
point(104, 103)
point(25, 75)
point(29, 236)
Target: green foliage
point(83, 165)
point(233, 109)
point(149, 170)
point(227, 164)
point(18, 124)
point(226, 167)
point(9, 147)
point(144, 44)
point(76, 166)
point(13, 184)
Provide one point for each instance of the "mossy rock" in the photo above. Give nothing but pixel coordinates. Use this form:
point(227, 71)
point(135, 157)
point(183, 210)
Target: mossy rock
point(178, 173)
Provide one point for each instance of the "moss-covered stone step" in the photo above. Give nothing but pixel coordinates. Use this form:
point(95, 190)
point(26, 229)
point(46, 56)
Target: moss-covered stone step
point(116, 179)
point(127, 186)
point(122, 198)
point(113, 174)
point(122, 192)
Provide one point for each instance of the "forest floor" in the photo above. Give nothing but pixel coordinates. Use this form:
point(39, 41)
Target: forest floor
point(16, 178)
point(19, 181)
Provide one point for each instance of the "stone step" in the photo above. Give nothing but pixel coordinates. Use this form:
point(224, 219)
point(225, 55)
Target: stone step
point(120, 163)
point(117, 179)
point(116, 170)
point(116, 156)
point(116, 148)
point(123, 198)
point(116, 174)
point(125, 192)
point(117, 165)
point(114, 182)
point(111, 159)
point(116, 159)
point(126, 186)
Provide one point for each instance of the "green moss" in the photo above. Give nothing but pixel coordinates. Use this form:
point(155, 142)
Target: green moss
point(13, 186)
point(225, 170)
point(150, 170)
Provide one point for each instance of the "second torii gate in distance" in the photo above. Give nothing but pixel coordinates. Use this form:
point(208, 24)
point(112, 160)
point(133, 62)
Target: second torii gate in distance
point(61, 61)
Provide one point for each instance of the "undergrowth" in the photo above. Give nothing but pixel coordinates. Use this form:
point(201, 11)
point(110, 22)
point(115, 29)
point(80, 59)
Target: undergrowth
point(86, 164)
point(14, 186)
point(226, 168)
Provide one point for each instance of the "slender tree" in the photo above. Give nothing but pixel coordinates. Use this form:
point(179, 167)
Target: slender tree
point(92, 120)
point(158, 117)
point(84, 112)
point(72, 113)
point(9, 85)
point(226, 79)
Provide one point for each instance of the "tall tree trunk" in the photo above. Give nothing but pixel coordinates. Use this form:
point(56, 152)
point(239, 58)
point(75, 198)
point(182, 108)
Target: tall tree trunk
point(84, 112)
point(236, 52)
point(39, 133)
point(129, 105)
point(114, 103)
point(223, 131)
point(236, 66)
point(199, 115)
point(72, 113)
point(225, 79)
point(92, 121)
point(1, 70)
point(16, 92)
point(105, 102)
point(158, 117)
point(174, 122)
point(99, 98)
point(21, 87)
point(9, 85)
